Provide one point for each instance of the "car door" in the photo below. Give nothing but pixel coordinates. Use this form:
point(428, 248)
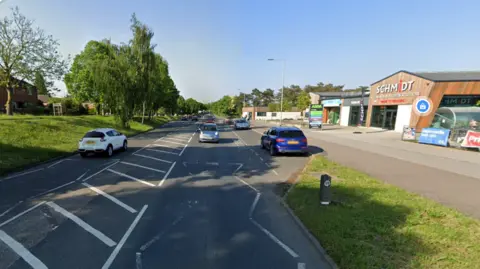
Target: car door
point(272, 136)
point(264, 137)
point(117, 143)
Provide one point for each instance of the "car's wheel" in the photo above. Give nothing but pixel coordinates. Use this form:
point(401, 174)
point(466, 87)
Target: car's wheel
point(83, 154)
point(109, 151)
point(125, 145)
point(273, 151)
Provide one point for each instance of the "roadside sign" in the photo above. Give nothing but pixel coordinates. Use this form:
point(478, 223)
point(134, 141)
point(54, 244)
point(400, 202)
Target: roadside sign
point(422, 106)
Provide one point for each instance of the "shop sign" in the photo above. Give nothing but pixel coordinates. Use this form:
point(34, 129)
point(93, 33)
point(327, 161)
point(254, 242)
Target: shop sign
point(330, 103)
point(355, 101)
point(472, 140)
point(459, 100)
point(401, 86)
point(408, 133)
point(422, 106)
point(392, 101)
point(434, 136)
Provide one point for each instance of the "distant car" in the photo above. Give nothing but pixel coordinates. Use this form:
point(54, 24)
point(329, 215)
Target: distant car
point(210, 120)
point(104, 141)
point(209, 133)
point(284, 140)
point(194, 118)
point(184, 118)
point(241, 124)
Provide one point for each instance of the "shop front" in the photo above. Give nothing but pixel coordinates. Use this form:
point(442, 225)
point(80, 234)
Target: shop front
point(351, 111)
point(331, 111)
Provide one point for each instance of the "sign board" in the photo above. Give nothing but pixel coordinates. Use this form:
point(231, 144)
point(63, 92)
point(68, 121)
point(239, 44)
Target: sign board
point(460, 100)
point(355, 101)
point(408, 133)
point(401, 86)
point(331, 103)
point(422, 106)
point(315, 116)
point(472, 140)
point(434, 136)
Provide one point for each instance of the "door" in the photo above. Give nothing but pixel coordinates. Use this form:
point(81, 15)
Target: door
point(271, 137)
point(390, 119)
point(265, 137)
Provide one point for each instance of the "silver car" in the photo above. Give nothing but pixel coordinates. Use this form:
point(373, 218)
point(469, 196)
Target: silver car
point(209, 133)
point(242, 124)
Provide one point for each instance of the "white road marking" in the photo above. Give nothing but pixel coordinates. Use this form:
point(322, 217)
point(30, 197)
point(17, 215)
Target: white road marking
point(21, 214)
point(240, 138)
point(10, 209)
point(254, 205)
point(21, 251)
point(240, 165)
point(100, 171)
point(161, 138)
point(140, 149)
point(261, 159)
point(246, 183)
point(166, 146)
point(111, 198)
point(257, 131)
point(82, 175)
point(61, 161)
point(132, 178)
point(186, 145)
point(176, 139)
point(115, 252)
point(102, 237)
point(184, 164)
point(171, 142)
point(275, 239)
point(144, 167)
point(275, 172)
point(212, 163)
point(138, 260)
point(54, 189)
point(301, 265)
point(24, 173)
point(159, 235)
point(163, 151)
point(153, 158)
point(166, 175)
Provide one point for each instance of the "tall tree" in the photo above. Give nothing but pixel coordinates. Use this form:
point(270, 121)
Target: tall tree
point(256, 97)
point(303, 101)
point(268, 97)
point(24, 51)
point(40, 84)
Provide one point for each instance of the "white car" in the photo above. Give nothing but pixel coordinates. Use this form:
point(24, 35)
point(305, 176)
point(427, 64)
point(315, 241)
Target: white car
point(242, 124)
point(104, 140)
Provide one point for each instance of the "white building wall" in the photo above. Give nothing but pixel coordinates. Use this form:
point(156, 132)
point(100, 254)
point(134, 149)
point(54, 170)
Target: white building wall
point(404, 113)
point(344, 115)
point(286, 115)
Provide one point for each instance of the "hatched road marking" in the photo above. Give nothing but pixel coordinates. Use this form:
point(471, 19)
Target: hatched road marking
point(111, 198)
point(144, 167)
point(132, 178)
point(21, 251)
point(153, 158)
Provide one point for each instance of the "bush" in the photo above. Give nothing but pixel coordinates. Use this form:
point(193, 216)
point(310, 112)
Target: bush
point(92, 111)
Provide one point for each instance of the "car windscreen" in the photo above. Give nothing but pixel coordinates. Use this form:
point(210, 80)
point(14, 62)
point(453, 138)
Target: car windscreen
point(209, 128)
point(291, 133)
point(241, 121)
point(94, 135)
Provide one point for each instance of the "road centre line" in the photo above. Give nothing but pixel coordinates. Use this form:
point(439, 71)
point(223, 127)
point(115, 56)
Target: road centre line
point(186, 145)
point(162, 151)
point(100, 171)
point(132, 178)
point(166, 175)
point(171, 142)
point(21, 251)
point(117, 249)
point(153, 158)
point(111, 198)
point(102, 237)
point(24, 173)
point(246, 183)
point(10, 209)
point(254, 205)
point(21, 214)
point(144, 167)
point(61, 161)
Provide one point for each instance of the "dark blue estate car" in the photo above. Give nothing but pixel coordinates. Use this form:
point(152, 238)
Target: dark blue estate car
point(284, 140)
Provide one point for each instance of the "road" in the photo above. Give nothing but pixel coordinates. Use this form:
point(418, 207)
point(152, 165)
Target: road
point(168, 202)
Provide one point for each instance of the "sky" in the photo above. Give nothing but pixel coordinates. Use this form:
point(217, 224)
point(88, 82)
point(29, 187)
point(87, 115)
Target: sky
point(220, 47)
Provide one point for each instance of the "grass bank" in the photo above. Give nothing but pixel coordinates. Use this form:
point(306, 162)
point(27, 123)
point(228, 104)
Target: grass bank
point(26, 140)
point(376, 225)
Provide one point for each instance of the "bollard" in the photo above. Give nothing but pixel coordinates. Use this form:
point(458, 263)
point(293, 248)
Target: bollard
point(325, 192)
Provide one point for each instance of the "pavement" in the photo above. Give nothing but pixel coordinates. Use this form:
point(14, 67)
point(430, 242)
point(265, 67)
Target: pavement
point(168, 202)
point(446, 175)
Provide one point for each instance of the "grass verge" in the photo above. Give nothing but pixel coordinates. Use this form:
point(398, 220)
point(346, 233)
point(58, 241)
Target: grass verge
point(26, 140)
point(377, 225)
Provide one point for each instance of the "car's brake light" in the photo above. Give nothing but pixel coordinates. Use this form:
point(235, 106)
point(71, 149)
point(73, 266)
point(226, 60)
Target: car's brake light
point(304, 140)
point(280, 140)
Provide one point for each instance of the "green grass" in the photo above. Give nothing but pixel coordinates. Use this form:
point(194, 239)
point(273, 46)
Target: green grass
point(26, 140)
point(376, 225)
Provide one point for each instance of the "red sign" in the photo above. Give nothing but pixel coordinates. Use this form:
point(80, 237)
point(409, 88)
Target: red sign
point(472, 140)
point(392, 101)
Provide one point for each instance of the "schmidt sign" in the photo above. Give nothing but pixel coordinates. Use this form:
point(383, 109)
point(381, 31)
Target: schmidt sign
point(397, 87)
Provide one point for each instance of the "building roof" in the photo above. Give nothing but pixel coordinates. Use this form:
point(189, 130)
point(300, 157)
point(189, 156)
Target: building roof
point(42, 97)
point(444, 76)
point(341, 95)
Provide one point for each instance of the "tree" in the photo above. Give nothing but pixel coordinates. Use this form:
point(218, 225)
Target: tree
point(40, 84)
point(268, 97)
point(256, 97)
point(26, 50)
point(303, 101)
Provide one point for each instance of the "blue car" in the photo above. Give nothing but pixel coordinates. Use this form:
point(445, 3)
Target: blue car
point(284, 140)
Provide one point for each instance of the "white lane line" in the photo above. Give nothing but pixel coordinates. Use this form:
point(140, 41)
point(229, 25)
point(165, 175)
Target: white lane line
point(246, 183)
point(82, 175)
point(21, 214)
point(257, 131)
point(240, 138)
point(10, 209)
point(144, 167)
point(111, 198)
point(186, 145)
point(166, 146)
point(240, 165)
point(275, 239)
point(132, 178)
point(54, 189)
point(171, 142)
point(61, 161)
point(212, 163)
point(160, 139)
point(115, 252)
point(275, 172)
point(254, 205)
point(167, 174)
point(21, 251)
point(261, 159)
point(138, 260)
point(176, 139)
point(24, 173)
point(301, 265)
point(153, 158)
point(159, 235)
point(102, 237)
point(162, 151)
point(100, 171)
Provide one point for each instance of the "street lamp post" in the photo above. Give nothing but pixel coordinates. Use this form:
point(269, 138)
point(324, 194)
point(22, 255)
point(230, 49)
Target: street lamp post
point(283, 86)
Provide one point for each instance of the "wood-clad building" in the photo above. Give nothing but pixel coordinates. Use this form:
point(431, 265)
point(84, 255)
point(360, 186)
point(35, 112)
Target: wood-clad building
point(392, 98)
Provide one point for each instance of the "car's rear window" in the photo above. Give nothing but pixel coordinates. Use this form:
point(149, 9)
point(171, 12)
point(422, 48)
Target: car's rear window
point(209, 128)
point(95, 135)
point(241, 121)
point(291, 133)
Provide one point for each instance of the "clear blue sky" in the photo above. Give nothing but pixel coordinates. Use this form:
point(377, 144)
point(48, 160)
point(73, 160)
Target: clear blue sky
point(215, 47)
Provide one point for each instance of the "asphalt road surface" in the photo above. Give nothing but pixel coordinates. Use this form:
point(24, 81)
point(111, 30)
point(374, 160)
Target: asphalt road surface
point(168, 202)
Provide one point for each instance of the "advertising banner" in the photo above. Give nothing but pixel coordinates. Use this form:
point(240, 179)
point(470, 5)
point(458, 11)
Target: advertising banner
point(316, 115)
point(408, 133)
point(434, 136)
point(472, 140)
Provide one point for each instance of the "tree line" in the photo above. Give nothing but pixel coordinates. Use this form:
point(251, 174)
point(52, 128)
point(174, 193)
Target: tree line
point(294, 96)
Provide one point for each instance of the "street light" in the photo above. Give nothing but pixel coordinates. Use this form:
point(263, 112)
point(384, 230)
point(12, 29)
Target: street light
point(283, 86)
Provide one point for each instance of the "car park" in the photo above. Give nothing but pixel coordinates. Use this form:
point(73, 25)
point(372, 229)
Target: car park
point(209, 133)
point(104, 141)
point(284, 140)
point(241, 124)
